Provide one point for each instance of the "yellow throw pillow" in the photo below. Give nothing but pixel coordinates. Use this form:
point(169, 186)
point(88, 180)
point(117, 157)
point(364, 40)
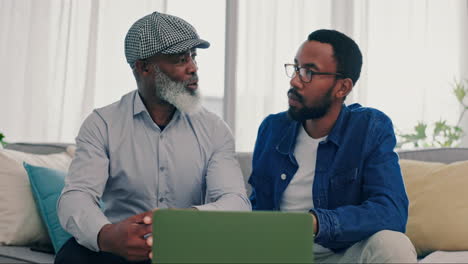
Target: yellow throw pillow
point(438, 210)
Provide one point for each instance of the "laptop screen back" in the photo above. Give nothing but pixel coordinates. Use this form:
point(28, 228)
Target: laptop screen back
point(190, 236)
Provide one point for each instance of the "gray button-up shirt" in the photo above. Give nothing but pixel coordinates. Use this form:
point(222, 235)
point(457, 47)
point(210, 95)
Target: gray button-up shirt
point(123, 158)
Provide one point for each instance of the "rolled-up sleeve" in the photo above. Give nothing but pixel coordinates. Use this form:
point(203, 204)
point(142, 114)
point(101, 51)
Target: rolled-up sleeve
point(224, 181)
point(78, 206)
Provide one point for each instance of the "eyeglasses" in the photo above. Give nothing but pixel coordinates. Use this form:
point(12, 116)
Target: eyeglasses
point(305, 73)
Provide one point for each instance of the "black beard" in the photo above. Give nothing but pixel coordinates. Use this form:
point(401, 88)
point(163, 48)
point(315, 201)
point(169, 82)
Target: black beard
point(306, 113)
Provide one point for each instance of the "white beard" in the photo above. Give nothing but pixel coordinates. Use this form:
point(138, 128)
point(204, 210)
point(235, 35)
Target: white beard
point(176, 93)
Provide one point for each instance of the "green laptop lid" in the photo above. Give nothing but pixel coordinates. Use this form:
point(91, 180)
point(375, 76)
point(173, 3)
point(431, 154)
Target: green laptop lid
point(189, 236)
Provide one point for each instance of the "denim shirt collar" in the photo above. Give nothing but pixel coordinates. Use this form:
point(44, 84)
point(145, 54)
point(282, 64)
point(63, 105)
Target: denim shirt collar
point(288, 141)
point(337, 130)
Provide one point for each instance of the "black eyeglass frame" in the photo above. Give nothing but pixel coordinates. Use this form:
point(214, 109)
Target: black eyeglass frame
point(297, 69)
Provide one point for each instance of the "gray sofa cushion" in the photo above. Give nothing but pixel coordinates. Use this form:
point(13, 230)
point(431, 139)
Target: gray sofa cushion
point(10, 254)
point(444, 155)
point(43, 148)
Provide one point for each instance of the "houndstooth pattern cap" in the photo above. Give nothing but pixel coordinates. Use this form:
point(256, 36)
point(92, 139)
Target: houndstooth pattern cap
point(160, 33)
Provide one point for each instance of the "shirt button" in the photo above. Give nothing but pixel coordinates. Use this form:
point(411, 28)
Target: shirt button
point(161, 200)
point(283, 176)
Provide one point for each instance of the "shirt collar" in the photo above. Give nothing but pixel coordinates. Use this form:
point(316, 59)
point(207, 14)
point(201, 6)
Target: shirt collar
point(288, 141)
point(337, 130)
point(139, 107)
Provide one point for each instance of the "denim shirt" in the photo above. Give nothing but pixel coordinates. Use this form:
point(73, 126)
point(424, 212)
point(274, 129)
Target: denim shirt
point(358, 188)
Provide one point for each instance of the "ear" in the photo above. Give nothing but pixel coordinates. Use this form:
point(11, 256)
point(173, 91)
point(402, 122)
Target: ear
point(142, 66)
point(345, 87)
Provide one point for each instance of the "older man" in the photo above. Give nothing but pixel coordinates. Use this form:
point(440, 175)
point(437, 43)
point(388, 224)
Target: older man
point(155, 148)
point(335, 161)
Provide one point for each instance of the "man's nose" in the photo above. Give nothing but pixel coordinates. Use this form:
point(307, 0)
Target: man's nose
point(192, 66)
point(296, 82)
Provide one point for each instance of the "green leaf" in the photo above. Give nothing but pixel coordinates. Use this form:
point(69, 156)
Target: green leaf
point(420, 129)
point(440, 126)
point(459, 91)
point(458, 129)
point(2, 136)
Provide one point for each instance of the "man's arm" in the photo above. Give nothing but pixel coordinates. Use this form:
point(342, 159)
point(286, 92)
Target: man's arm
point(260, 142)
point(78, 206)
point(385, 205)
point(224, 181)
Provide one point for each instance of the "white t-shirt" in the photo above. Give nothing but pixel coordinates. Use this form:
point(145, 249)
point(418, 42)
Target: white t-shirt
point(298, 195)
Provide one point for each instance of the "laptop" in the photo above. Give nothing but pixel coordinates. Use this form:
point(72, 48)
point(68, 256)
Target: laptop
point(190, 236)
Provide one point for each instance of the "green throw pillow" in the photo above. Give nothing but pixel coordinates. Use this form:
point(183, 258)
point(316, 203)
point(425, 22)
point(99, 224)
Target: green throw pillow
point(47, 184)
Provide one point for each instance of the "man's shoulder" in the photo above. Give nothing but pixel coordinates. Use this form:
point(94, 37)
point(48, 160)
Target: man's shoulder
point(206, 120)
point(110, 114)
point(359, 121)
point(274, 127)
point(366, 114)
point(280, 119)
point(212, 132)
point(117, 108)
point(205, 115)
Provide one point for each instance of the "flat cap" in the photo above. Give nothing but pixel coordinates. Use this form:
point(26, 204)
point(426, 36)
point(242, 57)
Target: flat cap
point(160, 33)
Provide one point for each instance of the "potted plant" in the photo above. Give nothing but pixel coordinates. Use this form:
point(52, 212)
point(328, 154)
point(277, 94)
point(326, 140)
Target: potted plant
point(443, 134)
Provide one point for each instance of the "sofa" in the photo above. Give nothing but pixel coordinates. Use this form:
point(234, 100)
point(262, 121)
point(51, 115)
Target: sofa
point(435, 180)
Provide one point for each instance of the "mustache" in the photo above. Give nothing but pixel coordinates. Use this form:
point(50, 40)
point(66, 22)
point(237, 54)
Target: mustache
point(295, 94)
point(192, 79)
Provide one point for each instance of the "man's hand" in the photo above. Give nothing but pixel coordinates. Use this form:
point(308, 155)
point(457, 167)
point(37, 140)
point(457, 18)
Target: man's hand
point(127, 238)
point(314, 223)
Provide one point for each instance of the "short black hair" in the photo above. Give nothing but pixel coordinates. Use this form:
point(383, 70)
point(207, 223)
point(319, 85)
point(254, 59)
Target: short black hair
point(346, 52)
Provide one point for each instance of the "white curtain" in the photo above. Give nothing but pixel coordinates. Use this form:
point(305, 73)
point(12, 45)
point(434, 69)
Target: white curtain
point(463, 16)
point(412, 52)
point(269, 33)
point(59, 60)
point(62, 58)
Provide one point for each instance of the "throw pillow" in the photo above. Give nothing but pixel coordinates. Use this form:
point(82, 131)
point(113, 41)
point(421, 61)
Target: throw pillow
point(438, 209)
point(71, 150)
point(20, 223)
point(47, 184)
